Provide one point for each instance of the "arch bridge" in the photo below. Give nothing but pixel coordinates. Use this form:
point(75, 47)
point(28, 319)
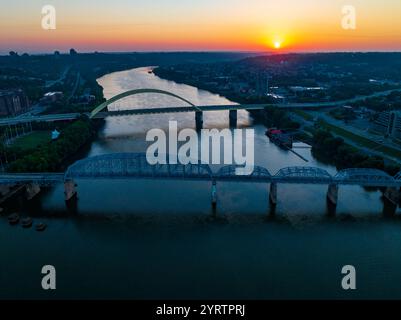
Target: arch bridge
point(192, 107)
point(99, 113)
point(129, 93)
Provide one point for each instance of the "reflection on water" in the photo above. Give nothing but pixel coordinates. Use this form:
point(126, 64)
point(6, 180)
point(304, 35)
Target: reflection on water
point(159, 239)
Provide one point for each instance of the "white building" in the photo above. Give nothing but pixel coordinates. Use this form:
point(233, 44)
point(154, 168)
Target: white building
point(55, 134)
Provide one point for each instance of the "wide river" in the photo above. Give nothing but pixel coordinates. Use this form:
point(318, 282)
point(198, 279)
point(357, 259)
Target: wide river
point(158, 239)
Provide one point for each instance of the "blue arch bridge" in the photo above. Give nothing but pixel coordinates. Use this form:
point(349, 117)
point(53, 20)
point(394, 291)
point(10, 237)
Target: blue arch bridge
point(136, 166)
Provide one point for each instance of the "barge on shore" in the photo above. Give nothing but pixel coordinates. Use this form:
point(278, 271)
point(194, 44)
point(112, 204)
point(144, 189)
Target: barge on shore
point(280, 138)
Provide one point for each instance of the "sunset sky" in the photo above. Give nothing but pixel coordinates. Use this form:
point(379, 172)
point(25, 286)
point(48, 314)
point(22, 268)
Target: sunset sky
point(169, 25)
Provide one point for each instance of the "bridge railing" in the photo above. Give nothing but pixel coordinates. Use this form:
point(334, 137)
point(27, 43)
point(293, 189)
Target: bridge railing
point(372, 177)
point(228, 172)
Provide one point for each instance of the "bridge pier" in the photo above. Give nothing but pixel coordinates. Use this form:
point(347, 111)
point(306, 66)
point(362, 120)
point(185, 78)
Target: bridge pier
point(69, 190)
point(273, 193)
point(32, 190)
point(199, 120)
point(233, 115)
point(332, 198)
point(214, 195)
point(391, 198)
point(332, 194)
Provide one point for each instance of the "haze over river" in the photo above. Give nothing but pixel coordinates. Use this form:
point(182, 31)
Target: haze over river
point(158, 239)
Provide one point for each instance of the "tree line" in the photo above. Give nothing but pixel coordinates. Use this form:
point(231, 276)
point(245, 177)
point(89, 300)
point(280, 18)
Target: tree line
point(335, 151)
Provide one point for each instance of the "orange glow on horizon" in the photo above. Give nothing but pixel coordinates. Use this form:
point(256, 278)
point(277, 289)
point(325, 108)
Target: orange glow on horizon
point(281, 26)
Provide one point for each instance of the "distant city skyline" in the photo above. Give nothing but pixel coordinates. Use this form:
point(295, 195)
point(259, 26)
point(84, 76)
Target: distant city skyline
point(208, 25)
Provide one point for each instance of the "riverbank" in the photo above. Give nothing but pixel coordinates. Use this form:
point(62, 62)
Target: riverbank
point(50, 157)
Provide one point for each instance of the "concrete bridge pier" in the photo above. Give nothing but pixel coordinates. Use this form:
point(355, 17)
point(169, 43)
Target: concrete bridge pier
point(332, 199)
point(199, 120)
point(391, 199)
point(72, 205)
point(70, 190)
point(32, 190)
point(273, 194)
point(233, 115)
point(332, 194)
point(214, 195)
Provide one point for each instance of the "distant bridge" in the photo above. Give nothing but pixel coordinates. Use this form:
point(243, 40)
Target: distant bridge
point(136, 166)
point(98, 112)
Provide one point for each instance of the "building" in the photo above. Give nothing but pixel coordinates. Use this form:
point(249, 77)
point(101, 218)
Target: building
point(389, 123)
point(13, 102)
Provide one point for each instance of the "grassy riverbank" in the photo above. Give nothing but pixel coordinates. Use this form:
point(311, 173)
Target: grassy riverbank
point(32, 140)
point(50, 156)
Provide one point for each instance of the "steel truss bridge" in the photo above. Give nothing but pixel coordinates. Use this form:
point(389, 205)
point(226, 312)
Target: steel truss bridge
point(136, 166)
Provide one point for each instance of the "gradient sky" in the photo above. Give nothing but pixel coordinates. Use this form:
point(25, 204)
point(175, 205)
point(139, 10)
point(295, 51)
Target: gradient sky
point(169, 25)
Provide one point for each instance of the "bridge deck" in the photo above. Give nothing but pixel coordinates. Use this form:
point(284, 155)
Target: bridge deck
point(141, 111)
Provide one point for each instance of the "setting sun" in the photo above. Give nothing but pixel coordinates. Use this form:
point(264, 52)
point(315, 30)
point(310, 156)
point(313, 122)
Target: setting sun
point(277, 44)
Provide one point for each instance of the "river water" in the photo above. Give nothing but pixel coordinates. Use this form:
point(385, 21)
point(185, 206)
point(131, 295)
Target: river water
point(158, 239)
